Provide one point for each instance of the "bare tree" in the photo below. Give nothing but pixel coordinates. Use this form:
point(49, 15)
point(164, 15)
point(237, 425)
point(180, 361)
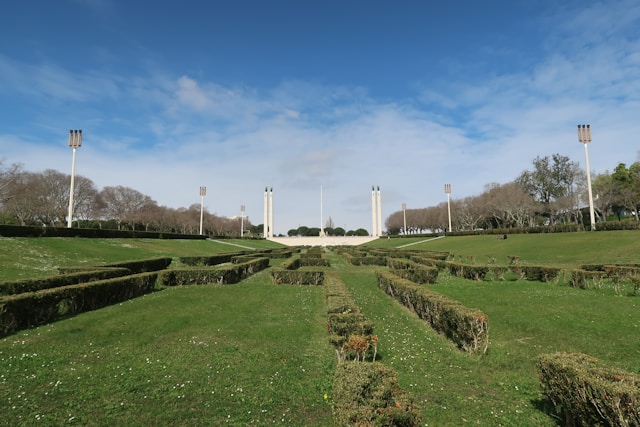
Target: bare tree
point(8, 175)
point(123, 204)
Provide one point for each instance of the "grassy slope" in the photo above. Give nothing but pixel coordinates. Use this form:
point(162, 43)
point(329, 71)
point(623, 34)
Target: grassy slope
point(33, 257)
point(561, 249)
point(248, 334)
point(246, 354)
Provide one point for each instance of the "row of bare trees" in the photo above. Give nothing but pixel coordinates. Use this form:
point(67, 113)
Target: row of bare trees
point(42, 198)
point(554, 191)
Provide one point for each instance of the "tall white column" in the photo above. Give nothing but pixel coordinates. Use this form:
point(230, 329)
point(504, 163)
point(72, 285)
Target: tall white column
point(379, 214)
point(271, 232)
point(374, 223)
point(265, 224)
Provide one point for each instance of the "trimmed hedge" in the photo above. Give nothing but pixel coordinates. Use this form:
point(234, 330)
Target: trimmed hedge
point(297, 277)
point(31, 309)
point(33, 231)
point(209, 260)
point(223, 275)
point(539, 273)
point(367, 394)
point(467, 328)
point(144, 265)
point(48, 282)
point(589, 394)
point(468, 271)
point(413, 271)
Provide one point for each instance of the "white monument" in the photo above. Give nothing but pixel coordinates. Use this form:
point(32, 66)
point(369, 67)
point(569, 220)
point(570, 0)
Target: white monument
point(267, 231)
point(376, 212)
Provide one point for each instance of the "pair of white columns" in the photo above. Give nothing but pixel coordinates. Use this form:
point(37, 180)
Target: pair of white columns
point(268, 213)
point(376, 212)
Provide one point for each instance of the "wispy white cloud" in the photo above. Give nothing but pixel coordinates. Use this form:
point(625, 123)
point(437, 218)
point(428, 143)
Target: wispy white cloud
point(166, 132)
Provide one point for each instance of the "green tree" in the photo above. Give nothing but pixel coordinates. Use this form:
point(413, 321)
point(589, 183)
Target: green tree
point(552, 183)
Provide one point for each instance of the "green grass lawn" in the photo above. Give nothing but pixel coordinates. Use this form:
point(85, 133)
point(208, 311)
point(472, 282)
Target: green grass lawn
point(34, 257)
point(558, 249)
point(247, 354)
point(255, 353)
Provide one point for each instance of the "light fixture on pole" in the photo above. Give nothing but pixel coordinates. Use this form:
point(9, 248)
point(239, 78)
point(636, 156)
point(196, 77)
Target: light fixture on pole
point(447, 189)
point(584, 136)
point(241, 221)
point(203, 192)
point(75, 141)
point(404, 215)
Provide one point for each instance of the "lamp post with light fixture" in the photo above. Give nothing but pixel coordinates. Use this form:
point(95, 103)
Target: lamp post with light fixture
point(584, 136)
point(404, 216)
point(241, 221)
point(203, 192)
point(447, 189)
point(75, 141)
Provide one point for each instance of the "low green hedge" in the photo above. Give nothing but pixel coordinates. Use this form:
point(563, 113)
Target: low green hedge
point(222, 275)
point(589, 394)
point(34, 231)
point(467, 328)
point(468, 271)
point(209, 259)
point(413, 271)
point(367, 394)
point(297, 277)
point(31, 309)
point(143, 265)
point(48, 282)
point(536, 273)
point(314, 262)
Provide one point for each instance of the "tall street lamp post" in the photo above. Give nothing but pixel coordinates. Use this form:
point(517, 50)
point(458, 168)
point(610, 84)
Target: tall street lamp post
point(584, 136)
point(447, 189)
point(404, 216)
point(75, 141)
point(241, 221)
point(203, 192)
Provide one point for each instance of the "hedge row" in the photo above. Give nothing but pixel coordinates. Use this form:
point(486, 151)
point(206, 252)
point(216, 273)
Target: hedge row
point(344, 320)
point(288, 273)
point(144, 265)
point(413, 271)
point(210, 259)
point(365, 260)
point(232, 273)
point(364, 393)
point(31, 231)
point(314, 262)
point(367, 394)
point(589, 394)
point(48, 282)
point(31, 309)
point(467, 328)
point(496, 272)
point(297, 277)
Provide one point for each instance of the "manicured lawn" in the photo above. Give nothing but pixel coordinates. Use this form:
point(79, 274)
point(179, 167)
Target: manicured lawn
point(255, 353)
point(247, 354)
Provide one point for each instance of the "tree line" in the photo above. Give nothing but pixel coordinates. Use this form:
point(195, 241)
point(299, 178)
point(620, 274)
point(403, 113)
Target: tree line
point(42, 199)
point(553, 192)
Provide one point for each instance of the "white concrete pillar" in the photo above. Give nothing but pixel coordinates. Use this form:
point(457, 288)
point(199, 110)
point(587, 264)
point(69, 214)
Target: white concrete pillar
point(265, 226)
point(379, 229)
point(271, 232)
point(374, 223)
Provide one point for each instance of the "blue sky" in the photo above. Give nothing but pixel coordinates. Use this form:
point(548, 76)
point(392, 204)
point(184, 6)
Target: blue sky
point(295, 95)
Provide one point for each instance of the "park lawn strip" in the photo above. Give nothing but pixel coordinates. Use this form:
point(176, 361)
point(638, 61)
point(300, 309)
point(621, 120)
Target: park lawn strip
point(551, 317)
point(567, 250)
point(450, 387)
point(247, 354)
point(42, 256)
